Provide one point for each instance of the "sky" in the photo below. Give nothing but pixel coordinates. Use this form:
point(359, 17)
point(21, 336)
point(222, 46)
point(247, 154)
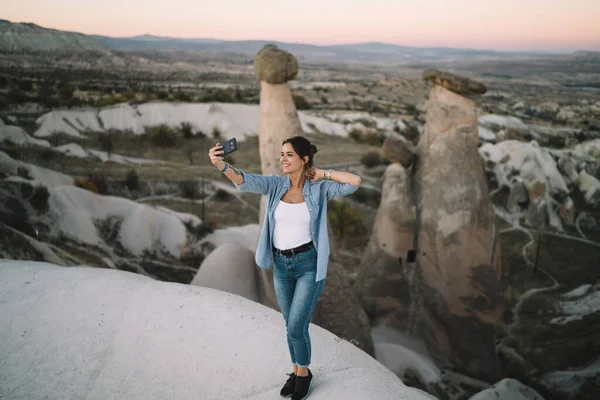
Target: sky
point(545, 25)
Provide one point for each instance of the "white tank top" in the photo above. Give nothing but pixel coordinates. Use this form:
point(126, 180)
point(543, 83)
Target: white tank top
point(292, 225)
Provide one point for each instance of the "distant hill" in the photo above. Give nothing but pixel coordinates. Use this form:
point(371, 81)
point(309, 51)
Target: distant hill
point(28, 37)
point(586, 55)
point(361, 52)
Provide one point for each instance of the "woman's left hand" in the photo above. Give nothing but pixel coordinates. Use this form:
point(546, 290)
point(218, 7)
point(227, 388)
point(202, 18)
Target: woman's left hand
point(315, 174)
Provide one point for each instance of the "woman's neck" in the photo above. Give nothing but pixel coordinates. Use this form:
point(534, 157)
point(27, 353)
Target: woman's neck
point(297, 179)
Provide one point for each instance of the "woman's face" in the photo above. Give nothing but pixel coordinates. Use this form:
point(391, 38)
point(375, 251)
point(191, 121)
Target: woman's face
point(290, 161)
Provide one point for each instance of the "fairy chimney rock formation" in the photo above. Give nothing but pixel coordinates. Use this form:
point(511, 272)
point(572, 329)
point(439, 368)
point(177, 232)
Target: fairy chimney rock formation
point(456, 84)
point(382, 284)
point(278, 117)
point(458, 257)
point(279, 121)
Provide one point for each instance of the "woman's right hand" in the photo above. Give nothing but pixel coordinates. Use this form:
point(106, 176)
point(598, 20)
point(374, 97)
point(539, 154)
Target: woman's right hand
point(215, 155)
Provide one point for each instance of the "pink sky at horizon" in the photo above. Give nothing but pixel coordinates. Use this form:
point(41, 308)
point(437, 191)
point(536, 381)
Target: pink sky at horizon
point(546, 25)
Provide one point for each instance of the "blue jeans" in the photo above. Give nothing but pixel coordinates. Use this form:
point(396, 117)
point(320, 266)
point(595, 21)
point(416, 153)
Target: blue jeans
point(297, 294)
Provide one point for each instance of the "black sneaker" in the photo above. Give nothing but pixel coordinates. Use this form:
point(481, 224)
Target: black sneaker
point(302, 386)
point(288, 389)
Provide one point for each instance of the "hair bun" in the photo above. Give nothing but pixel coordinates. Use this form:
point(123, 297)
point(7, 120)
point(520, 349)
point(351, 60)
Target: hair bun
point(314, 148)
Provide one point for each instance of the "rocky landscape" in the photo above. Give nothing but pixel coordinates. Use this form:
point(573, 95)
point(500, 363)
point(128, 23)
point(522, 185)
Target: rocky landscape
point(467, 261)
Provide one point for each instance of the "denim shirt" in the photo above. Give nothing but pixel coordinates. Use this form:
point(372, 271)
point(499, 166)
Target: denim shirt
point(315, 195)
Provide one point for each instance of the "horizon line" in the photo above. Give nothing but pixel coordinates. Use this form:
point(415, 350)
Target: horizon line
point(496, 50)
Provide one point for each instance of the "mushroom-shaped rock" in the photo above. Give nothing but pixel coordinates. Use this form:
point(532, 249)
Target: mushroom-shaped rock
point(456, 84)
point(230, 268)
point(278, 116)
point(398, 150)
point(458, 252)
point(273, 65)
point(382, 284)
point(82, 332)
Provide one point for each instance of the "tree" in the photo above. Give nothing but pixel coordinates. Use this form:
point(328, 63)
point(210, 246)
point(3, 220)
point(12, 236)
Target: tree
point(186, 130)
point(301, 103)
point(182, 96)
point(65, 91)
point(106, 143)
point(26, 85)
point(132, 180)
point(161, 135)
point(371, 159)
point(16, 96)
point(344, 219)
point(190, 153)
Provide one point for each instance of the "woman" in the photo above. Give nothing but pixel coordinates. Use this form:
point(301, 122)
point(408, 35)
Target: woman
point(294, 239)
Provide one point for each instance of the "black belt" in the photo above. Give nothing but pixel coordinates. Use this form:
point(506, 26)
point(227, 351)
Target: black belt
point(296, 250)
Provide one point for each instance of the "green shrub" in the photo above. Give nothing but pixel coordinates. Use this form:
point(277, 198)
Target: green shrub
point(16, 96)
point(538, 304)
point(373, 138)
point(106, 143)
point(161, 135)
point(186, 130)
point(132, 181)
point(221, 96)
point(48, 154)
point(182, 97)
point(367, 123)
point(411, 109)
point(301, 102)
point(355, 134)
point(109, 228)
point(189, 189)
point(39, 199)
point(344, 219)
point(371, 159)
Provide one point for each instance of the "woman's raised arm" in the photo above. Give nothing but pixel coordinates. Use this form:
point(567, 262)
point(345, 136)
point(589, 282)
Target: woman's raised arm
point(215, 155)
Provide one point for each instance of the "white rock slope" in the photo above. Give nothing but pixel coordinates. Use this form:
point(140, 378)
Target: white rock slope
point(234, 120)
point(17, 135)
point(508, 389)
point(84, 333)
point(74, 212)
point(50, 178)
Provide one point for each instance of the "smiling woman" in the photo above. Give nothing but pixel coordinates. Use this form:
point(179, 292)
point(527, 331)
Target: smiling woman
point(294, 238)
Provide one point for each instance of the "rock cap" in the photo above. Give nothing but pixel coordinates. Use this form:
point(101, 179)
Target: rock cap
point(454, 83)
point(275, 66)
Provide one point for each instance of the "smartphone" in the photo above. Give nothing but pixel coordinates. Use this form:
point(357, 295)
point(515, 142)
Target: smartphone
point(229, 147)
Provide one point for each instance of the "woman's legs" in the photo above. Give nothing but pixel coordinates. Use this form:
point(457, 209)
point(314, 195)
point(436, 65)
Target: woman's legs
point(297, 294)
point(306, 295)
